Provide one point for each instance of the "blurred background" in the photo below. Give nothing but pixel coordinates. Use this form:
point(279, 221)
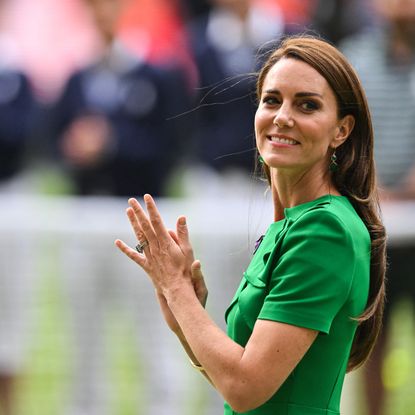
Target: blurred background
point(101, 100)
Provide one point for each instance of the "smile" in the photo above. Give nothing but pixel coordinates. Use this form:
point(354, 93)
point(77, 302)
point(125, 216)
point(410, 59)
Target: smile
point(282, 140)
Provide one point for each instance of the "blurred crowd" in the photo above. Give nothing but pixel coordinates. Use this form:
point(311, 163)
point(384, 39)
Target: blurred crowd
point(126, 97)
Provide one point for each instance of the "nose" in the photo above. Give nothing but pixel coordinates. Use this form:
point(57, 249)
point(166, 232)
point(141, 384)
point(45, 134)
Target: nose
point(283, 117)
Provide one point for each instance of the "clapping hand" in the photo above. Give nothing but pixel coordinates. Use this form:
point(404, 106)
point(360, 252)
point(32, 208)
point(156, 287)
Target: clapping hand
point(165, 255)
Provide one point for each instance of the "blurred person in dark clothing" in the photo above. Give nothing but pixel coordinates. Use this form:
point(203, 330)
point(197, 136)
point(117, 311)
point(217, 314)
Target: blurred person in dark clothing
point(112, 120)
point(225, 43)
point(113, 134)
point(16, 117)
point(195, 8)
point(385, 60)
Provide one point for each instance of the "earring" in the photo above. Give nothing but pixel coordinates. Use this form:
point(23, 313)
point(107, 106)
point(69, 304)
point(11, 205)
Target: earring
point(260, 159)
point(333, 162)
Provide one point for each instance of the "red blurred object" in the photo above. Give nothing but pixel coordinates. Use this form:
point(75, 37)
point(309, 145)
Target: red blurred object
point(50, 39)
point(56, 37)
point(295, 11)
point(155, 29)
point(156, 26)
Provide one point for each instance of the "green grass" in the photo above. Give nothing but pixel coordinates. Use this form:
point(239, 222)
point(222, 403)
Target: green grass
point(44, 384)
point(44, 388)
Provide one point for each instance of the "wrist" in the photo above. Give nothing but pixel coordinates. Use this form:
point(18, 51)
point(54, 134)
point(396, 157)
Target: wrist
point(182, 291)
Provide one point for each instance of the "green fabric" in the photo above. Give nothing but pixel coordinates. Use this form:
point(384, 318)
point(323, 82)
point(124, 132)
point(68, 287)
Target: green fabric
point(311, 270)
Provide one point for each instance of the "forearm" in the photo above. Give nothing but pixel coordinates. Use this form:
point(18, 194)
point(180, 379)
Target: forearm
point(246, 376)
point(192, 356)
point(206, 343)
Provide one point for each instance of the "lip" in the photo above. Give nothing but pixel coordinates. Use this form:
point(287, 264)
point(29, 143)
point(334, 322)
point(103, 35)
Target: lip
point(282, 136)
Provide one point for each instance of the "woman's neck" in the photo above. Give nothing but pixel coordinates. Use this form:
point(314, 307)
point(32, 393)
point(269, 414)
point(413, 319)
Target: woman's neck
point(289, 190)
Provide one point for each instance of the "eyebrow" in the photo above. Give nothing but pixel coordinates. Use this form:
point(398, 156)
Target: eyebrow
point(298, 94)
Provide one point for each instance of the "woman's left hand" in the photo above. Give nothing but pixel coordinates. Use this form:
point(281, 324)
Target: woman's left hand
point(165, 259)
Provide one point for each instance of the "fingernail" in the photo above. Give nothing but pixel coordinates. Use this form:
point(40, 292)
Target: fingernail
point(182, 221)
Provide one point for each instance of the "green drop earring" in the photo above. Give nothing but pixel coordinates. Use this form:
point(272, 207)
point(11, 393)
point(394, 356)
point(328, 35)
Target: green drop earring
point(333, 162)
point(260, 159)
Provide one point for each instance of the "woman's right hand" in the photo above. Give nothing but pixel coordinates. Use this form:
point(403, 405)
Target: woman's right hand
point(177, 252)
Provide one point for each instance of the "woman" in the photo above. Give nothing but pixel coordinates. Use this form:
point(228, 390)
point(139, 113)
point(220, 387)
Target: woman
point(310, 304)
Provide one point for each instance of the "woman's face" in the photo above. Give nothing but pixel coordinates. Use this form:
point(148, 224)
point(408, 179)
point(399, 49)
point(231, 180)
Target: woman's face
point(296, 121)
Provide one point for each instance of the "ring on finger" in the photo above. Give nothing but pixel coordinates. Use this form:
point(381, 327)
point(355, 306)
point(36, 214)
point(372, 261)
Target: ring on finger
point(141, 245)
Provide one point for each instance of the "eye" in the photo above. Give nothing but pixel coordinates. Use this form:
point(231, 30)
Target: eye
point(270, 100)
point(309, 106)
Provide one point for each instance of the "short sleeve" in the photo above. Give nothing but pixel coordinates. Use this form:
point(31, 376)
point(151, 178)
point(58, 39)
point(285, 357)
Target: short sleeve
point(313, 275)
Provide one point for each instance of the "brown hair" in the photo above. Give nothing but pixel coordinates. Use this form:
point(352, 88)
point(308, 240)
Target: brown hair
point(355, 176)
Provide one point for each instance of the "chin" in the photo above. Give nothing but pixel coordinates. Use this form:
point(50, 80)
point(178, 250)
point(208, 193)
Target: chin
point(278, 163)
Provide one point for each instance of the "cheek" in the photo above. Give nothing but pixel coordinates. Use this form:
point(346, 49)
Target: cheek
point(257, 125)
point(257, 118)
point(320, 131)
point(259, 121)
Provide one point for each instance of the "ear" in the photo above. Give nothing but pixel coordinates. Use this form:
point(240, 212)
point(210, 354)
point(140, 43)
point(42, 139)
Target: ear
point(343, 130)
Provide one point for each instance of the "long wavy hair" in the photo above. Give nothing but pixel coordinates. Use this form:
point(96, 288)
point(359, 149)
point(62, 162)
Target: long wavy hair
point(355, 176)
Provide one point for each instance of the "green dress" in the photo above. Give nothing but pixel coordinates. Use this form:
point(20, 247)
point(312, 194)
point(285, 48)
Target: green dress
point(311, 270)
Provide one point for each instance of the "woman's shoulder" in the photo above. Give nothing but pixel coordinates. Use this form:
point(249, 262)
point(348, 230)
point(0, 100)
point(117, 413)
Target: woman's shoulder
point(325, 206)
point(329, 215)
